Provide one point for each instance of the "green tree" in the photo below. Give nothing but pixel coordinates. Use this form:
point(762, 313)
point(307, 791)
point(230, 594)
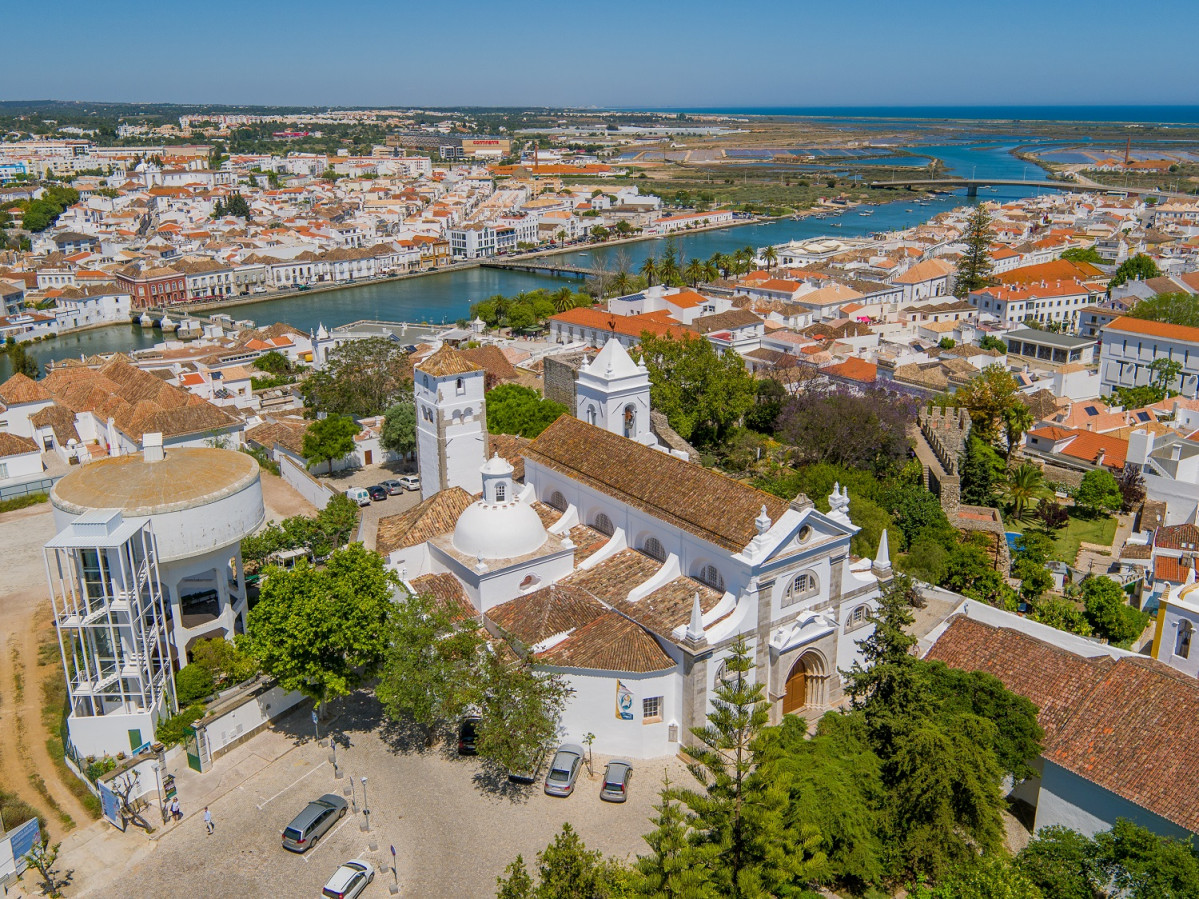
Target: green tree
point(702, 393)
point(1061, 863)
point(974, 268)
point(399, 428)
point(738, 809)
point(520, 709)
point(514, 409)
point(360, 378)
point(225, 663)
point(649, 270)
point(1163, 372)
point(1136, 268)
point(1107, 612)
point(237, 206)
point(1099, 492)
point(193, 682)
point(1017, 421)
point(990, 342)
point(676, 867)
point(1083, 254)
point(335, 525)
point(43, 858)
point(517, 884)
point(1175, 308)
point(993, 877)
point(988, 396)
point(566, 869)
point(324, 631)
point(273, 362)
point(770, 256)
point(329, 439)
point(1023, 488)
point(1062, 614)
point(694, 272)
point(1146, 866)
point(427, 675)
point(980, 470)
point(20, 361)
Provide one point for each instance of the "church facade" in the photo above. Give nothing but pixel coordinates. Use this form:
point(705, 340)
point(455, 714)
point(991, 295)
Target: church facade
point(631, 571)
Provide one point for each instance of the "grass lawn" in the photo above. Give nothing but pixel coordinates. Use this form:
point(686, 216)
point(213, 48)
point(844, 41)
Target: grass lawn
point(1078, 530)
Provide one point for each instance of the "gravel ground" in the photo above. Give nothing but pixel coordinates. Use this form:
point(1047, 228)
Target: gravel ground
point(454, 824)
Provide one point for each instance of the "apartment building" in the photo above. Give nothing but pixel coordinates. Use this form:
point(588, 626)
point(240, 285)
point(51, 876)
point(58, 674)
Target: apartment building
point(1130, 346)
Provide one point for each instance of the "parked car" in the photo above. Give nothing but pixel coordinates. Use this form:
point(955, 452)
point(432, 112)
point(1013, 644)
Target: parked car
point(359, 495)
point(529, 771)
point(349, 880)
point(564, 770)
point(410, 481)
point(377, 492)
point(468, 735)
point(393, 486)
point(617, 775)
point(311, 824)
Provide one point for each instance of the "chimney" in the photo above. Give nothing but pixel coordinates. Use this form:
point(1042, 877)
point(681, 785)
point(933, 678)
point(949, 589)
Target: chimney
point(1099, 458)
point(152, 447)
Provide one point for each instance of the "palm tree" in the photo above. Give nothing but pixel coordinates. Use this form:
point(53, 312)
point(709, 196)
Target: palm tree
point(1017, 421)
point(563, 299)
point(722, 262)
point(744, 258)
point(649, 268)
point(622, 283)
point(770, 256)
point(668, 270)
point(694, 272)
point(1024, 487)
point(711, 271)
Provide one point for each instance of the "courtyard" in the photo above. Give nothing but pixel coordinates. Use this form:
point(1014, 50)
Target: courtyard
point(454, 823)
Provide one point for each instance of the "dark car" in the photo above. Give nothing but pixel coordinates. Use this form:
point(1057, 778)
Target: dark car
point(378, 492)
point(468, 735)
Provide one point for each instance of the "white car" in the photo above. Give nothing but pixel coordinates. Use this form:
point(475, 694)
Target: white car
point(410, 481)
point(349, 880)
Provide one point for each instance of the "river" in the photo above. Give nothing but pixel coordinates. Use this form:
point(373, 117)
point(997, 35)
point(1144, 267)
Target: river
point(448, 297)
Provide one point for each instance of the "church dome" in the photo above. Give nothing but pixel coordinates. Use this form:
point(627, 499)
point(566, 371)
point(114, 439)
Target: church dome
point(498, 530)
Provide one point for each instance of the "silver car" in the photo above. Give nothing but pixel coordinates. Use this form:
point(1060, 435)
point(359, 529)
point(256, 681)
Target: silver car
point(312, 823)
point(616, 781)
point(564, 770)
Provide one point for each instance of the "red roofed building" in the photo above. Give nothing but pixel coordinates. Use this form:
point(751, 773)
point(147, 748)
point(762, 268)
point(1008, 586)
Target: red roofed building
point(1130, 346)
point(857, 371)
point(1076, 448)
point(1042, 301)
point(593, 327)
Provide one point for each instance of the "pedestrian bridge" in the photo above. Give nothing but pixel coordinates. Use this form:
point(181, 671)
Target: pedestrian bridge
point(973, 184)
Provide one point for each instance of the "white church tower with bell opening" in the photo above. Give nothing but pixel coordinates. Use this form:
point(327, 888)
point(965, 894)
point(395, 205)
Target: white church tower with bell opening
point(451, 422)
point(612, 392)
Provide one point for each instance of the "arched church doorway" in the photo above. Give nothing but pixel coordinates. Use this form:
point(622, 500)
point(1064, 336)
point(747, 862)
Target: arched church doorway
point(805, 683)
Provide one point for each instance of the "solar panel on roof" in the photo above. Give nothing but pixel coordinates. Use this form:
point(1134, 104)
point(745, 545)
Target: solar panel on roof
point(1143, 416)
point(1090, 410)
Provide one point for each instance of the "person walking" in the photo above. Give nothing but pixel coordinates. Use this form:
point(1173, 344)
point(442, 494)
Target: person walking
point(176, 812)
point(208, 821)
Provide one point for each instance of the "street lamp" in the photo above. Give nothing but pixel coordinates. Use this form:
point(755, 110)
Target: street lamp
point(365, 808)
point(162, 806)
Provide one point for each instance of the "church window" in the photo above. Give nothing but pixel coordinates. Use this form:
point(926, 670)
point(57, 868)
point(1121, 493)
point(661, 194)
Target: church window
point(591, 415)
point(557, 501)
point(710, 576)
point(654, 549)
point(425, 378)
point(630, 421)
point(1182, 646)
point(460, 387)
point(427, 412)
point(804, 533)
point(651, 709)
point(603, 524)
point(801, 587)
point(500, 492)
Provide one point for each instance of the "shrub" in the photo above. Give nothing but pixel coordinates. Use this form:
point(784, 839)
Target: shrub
point(21, 502)
point(170, 730)
point(193, 682)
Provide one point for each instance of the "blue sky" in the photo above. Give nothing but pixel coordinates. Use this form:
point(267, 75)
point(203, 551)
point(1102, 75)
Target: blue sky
point(615, 53)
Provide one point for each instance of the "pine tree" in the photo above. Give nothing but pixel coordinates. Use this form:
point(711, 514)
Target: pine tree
point(974, 268)
point(518, 884)
point(739, 816)
point(676, 867)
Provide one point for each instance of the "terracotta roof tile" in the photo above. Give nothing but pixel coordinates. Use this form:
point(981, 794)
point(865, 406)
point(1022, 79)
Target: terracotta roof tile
point(609, 643)
point(1177, 536)
point(15, 445)
point(670, 605)
point(436, 515)
point(1169, 568)
point(447, 361)
point(703, 502)
point(545, 613)
point(447, 590)
point(22, 389)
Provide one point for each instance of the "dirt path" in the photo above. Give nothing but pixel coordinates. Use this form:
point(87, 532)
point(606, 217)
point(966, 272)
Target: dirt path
point(25, 762)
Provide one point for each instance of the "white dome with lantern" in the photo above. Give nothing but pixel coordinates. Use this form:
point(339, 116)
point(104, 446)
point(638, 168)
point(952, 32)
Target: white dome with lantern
point(498, 526)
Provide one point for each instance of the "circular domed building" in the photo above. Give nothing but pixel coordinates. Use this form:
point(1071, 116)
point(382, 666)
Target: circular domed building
point(147, 560)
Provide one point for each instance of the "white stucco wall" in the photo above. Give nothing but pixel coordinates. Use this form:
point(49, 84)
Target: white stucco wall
point(592, 709)
point(1071, 801)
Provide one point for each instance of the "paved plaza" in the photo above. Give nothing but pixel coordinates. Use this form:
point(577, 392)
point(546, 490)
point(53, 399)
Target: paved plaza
point(454, 824)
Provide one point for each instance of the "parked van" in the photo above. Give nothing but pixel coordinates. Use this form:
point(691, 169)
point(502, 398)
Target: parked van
point(359, 495)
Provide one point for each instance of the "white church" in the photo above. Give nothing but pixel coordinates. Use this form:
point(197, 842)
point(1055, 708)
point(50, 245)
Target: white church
point(623, 567)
